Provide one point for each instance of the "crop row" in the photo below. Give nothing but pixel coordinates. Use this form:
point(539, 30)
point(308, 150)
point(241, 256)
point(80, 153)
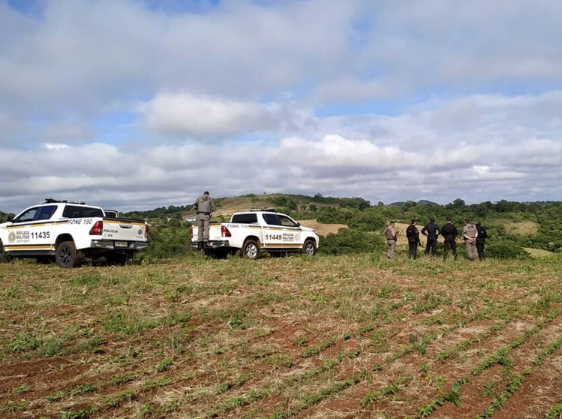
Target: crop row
point(499, 357)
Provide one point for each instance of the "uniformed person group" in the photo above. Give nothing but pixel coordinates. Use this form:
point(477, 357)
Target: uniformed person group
point(474, 236)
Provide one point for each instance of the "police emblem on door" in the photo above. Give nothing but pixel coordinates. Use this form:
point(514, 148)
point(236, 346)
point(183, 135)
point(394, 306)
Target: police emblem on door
point(12, 237)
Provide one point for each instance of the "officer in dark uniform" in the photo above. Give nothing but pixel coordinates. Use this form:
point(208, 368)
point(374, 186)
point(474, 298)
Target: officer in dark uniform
point(481, 241)
point(431, 230)
point(449, 233)
point(413, 236)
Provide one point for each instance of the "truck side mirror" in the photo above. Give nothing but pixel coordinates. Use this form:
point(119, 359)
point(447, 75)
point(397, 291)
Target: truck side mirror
point(10, 218)
point(298, 224)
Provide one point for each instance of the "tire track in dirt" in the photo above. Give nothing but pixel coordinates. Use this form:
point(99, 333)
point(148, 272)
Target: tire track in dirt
point(516, 360)
point(343, 375)
point(409, 367)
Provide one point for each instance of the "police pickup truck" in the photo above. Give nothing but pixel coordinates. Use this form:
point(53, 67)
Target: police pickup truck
point(250, 233)
point(69, 231)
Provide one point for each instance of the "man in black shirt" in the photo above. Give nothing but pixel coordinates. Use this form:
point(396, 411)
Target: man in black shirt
point(449, 233)
point(413, 236)
point(481, 241)
point(431, 230)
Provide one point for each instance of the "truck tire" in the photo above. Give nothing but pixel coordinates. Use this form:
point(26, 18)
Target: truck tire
point(251, 249)
point(3, 257)
point(309, 248)
point(67, 256)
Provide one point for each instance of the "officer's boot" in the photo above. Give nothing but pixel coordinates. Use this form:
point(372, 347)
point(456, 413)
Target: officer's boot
point(199, 245)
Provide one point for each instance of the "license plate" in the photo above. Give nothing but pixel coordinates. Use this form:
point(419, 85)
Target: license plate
point(121, 244)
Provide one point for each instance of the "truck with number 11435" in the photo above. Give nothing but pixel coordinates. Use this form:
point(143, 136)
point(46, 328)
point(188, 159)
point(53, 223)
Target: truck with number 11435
point(70, 231)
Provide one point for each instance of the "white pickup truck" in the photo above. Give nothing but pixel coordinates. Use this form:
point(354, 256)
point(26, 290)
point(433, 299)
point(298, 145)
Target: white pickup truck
point(68, 231)
point(250, 233)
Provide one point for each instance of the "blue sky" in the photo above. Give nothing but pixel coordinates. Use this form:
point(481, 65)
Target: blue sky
point(142, 103)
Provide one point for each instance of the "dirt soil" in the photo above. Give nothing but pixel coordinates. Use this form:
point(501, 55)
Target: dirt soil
point(355, 336)
point(323, 229)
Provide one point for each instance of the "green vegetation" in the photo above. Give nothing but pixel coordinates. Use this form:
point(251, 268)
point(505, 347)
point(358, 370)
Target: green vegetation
point(511, 226)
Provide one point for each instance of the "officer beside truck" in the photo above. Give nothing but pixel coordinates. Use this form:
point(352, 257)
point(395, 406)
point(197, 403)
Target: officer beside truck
point(204, 205)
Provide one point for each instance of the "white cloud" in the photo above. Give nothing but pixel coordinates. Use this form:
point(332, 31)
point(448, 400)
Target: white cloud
point(55, 146)
point(248, 70)
point(338, 156)
point(200, 116)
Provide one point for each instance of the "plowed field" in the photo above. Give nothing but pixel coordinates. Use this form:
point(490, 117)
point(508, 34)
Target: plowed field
point(329, 337)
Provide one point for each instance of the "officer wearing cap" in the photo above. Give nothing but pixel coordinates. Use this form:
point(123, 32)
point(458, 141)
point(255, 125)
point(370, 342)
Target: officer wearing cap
point(431, 230)
point(449, 233)
point(204, 205)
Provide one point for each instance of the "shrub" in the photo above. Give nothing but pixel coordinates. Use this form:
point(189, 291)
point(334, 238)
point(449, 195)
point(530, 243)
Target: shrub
point(350, 241)
point(504, 250)
point(168, 242)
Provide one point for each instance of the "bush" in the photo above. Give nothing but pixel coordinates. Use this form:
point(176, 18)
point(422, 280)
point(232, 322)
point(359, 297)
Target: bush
point(350, 241)
point(504, 250)
point(168, 242)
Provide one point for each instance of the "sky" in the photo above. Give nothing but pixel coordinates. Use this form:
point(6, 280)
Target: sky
point(137, 104)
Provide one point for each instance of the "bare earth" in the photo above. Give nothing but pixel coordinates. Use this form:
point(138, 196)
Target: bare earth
point(327, 337)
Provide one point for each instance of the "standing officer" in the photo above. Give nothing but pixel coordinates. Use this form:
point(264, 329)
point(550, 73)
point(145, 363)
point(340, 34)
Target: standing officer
point(481, 241)
point(204, 205)
point(390, 234)
point(470, 234)
point(449, 233)
point(431, 230)
point(413, 236)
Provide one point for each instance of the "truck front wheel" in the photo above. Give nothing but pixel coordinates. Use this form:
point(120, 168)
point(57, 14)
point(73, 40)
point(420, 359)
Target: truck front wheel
point(309, 248)
point(251, 249)
point(67, 256)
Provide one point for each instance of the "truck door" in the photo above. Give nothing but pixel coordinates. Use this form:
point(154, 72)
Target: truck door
point(31, 230)
point(281, 232)
point(291, 231)
point(272, 231)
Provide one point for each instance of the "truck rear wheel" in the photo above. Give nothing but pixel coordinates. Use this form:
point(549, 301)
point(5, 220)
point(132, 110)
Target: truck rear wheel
point(251, 249)
point(3, 257)
point(309, 248)
point(67, 256)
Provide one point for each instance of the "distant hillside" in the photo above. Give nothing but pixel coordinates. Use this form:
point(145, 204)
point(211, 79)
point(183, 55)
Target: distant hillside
point(281, 202)
point(421, 202)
